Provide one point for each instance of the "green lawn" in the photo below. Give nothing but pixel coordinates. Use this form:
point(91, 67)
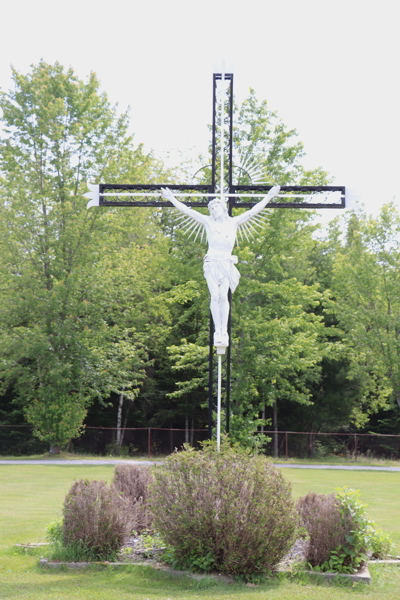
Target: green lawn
point(362, 461)
point(31, 496)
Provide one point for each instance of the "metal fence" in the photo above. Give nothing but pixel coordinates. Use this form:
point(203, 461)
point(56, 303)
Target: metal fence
point(104, 441)
point(155, 441)
point(307, 444)
point(152, 441)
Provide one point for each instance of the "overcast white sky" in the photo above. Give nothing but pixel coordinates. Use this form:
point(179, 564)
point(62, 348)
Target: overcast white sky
point(329, 67)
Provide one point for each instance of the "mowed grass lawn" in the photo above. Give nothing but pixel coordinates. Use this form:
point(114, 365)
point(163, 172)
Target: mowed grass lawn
point(32, 496)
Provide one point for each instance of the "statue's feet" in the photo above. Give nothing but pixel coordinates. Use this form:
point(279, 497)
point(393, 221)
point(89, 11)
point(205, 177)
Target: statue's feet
point(221, 339)
point(225, 339)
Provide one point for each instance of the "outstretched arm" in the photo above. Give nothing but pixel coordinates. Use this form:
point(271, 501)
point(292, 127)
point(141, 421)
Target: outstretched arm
point(258, 207)
point(168, 195)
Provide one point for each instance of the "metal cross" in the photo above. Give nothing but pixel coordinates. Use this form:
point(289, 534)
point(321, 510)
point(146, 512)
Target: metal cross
point(290, 196)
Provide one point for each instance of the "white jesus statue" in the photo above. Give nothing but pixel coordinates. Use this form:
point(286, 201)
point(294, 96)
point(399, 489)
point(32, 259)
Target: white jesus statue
point(219, 263)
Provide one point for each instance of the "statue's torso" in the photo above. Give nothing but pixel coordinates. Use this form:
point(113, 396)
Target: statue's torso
point(221, 237)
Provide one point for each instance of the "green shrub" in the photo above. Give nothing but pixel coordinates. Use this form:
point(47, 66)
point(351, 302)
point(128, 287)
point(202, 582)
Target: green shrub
point(132, 481)
point(351, 554)
point(225, 511)
point(54, 531)
point(97, 519)
point(114, 449)
point(381, 544)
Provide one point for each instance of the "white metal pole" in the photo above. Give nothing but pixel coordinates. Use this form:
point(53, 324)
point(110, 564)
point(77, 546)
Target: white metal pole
point(222, 133)
point(219, 403)
point(222, 140)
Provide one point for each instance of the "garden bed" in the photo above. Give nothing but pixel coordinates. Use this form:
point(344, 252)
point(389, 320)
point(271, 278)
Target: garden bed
point(137, 551)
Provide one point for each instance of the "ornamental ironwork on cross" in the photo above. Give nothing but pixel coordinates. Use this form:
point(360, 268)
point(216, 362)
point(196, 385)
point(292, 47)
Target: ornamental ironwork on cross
point(221, 229)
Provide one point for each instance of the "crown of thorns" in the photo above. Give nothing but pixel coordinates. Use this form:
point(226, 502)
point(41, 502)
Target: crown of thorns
point(217, 201)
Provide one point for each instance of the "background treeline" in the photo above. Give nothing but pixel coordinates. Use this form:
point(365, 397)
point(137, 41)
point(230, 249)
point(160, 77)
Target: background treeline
point(104, 312)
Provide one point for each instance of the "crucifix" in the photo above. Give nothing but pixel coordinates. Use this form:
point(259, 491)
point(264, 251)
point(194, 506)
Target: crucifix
point(221, 227)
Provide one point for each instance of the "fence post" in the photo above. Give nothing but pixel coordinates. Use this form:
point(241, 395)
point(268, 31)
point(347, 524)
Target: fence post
point(355, 446)
point(286, 446)
point(149, 442)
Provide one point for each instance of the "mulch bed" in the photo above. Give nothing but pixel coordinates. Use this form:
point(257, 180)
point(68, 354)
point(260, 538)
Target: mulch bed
point(136, 550)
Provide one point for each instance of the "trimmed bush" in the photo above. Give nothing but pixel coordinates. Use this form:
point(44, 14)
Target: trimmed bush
point(341, 535)
point(96, 518)
point(132, 481)
point(225, 511)
point(320, 515)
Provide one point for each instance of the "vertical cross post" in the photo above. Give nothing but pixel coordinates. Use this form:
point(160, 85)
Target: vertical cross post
point(216, 78)
point(128, 195)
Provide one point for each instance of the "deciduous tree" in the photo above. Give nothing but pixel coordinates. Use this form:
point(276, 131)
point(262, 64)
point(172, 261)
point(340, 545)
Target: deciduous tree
point(366, 283)
point(58, 348)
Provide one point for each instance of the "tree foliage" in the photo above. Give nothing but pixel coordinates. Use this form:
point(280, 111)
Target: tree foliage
point(59, 347)
point(104, 314)
point(367, 285)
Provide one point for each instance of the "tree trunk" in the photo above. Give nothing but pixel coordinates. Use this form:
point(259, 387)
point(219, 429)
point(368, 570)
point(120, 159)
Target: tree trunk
point(191, 432)
point(263, 418)
point(186, 430)
point(311, 443)
point(125, 422)
point(275, 426)
point(118, 441)
point(54, 449)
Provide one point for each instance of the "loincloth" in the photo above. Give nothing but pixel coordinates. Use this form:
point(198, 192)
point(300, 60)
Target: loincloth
point(222, 268)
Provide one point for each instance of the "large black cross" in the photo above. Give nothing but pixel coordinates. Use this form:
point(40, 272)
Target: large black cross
point(306, 196)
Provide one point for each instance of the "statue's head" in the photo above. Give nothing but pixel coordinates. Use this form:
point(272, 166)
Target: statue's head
point(217, 207)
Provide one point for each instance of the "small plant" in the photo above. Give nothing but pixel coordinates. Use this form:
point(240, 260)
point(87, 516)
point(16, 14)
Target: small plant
point(152, 542)
point(381, 544)
point(321, 450)
point(169, 557)
point(97, 519)
point(114, 449)
point(253, 578)
point(77, 552)
point(227, 511)
point(132, 481)
point(192, 562)
point(54, 531)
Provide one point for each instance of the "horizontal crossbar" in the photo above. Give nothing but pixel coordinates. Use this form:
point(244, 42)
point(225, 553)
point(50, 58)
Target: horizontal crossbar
point(308, 196)
point(159, 203)
point(214, 195)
